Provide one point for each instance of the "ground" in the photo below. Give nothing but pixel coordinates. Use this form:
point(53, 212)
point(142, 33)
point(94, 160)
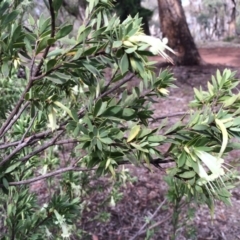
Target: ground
point(141, 198)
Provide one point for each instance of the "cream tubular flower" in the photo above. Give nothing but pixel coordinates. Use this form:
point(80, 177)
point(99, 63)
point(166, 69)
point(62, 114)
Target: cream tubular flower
point(156, 45)
point(214, 164)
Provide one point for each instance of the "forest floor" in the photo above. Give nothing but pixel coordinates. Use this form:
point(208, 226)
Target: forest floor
point(141, 199)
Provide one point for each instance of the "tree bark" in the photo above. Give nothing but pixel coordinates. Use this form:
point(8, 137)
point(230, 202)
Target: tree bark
point(76, 8)
point(232, 22)
point(175, 28)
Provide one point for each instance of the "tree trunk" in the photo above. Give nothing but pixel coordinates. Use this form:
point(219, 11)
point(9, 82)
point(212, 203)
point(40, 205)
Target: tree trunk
point(232, 22)
point(175, 28)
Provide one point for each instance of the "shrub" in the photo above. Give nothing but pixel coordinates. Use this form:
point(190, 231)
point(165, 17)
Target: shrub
point(67, 100)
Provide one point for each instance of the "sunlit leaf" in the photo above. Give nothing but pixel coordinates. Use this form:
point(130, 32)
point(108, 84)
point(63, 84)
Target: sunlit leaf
point(224, 136)
point(133, 133)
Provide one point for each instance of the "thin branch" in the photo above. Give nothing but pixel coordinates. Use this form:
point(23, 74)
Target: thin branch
point(29, 127)
point(42, 148)
point(76, 169)
point(73, 168)
point(30, 139)
point(116, 87)
point(15, 151)
point(169, 116)
point(15, 110)
point(25, 144)
point(144, 225)
point(155, 162)
point(15, 118)
point(160, 222)
point(114, 75)
point(60, 142)
point(38, 77)
point(33, 60)
point(51, 174)
point(52, 13)
point(46, 73)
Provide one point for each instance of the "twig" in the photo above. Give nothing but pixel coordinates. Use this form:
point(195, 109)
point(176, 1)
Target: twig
point(46, 73)
point(15, 151)
point(57, 172)
point(169, 116)
point(42, 148)
point(52, 13)
point(16, 109)
point(15, 118)
point(156, 224)
point(117, 86)
point(114, 75)
point(33, 60)
point(29, 127)
point(38, 77)
point(160, 222)
point(60, 142)
point(27, 143)
point(144, 225)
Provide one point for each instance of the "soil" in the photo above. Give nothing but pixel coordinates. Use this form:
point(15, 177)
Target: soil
point(141, 199)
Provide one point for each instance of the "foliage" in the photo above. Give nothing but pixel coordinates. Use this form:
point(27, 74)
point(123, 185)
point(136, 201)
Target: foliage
point(68, 104)
point(133, 7)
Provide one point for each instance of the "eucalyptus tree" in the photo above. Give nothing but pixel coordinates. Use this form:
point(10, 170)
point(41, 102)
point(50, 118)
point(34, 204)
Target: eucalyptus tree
point(174, 27)
point(218, 19)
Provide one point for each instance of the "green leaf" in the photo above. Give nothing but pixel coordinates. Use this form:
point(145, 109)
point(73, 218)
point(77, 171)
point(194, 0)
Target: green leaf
point(55, 52)
point(130, 50)
point(224, 136)
point(4, 7)
point(102, 109)
point(235, 129)
point(64, 31)
point(52, 117)
point(57, 4)
point(44, 27)
point(97, 107)
point(119, 112)
point(236, 121)
point(138, 147)
point(5, 183)
point(56, 79)
point(133, 133)
point(91, 68)
point(44, 42)
point(144, 132)
point(156, 139)
point(50, 64)
point(99, 145)
point(182, 159)
point(117, 44)
point(219, 77)
point(173, 128)
point(198, 94)
point(8, 18)
point(106, 140)
point(5, 69)
point(200, 127)
point(84, 34)
point(124, 64)
point(229, 101)
point(188, 174)
point(12, 167)
point(69, 112)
